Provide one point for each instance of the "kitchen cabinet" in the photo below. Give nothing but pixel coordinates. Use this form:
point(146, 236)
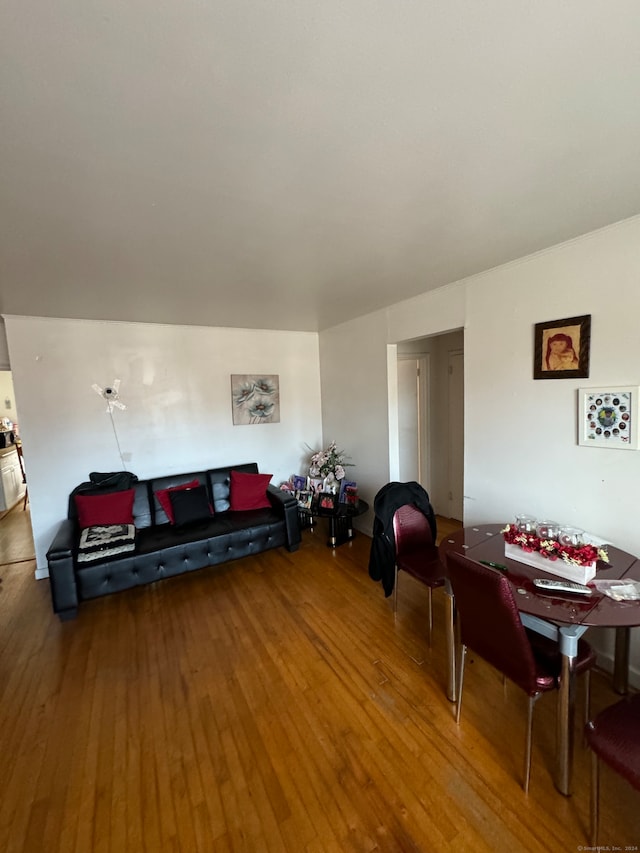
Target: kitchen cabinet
point(12, 488)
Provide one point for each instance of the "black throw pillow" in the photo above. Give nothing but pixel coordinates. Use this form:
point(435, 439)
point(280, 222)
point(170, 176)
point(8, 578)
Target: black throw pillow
point(190, 505)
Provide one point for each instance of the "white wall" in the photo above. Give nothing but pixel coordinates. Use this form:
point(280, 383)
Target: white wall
point(359, 374)
point(354, 399)
point(521, 451)
point(4, 349)
point(175, 382)
point(517, 425)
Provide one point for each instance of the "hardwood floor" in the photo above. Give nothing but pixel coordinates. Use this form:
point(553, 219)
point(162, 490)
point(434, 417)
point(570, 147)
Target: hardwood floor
point(16, 540)
point(273, 704)
point(446, 526)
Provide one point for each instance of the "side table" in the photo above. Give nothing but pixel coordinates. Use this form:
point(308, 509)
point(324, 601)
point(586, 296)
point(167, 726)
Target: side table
point(340, 520)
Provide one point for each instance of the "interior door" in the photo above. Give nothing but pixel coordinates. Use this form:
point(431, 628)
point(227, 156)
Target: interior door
point(412, 417)
point(456, 435)
point(408, 415)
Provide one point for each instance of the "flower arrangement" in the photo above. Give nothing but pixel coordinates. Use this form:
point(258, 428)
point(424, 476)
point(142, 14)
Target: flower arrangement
point(329, 463)
point(575, 555)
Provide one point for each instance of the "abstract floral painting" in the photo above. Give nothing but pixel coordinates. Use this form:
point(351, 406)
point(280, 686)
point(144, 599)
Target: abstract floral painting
point(255, 398)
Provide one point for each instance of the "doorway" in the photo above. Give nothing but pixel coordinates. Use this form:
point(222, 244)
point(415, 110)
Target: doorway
point(455, 455)
point(16, 536)
point(430, 418)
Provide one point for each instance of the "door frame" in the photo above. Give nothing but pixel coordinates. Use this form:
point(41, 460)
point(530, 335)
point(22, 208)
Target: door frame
point(423, 366)
point(450, 454)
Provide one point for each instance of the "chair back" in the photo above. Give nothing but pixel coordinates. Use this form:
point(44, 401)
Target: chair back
point(20, 457)
point(614, 736)
point(490, 624)
point(412, 531)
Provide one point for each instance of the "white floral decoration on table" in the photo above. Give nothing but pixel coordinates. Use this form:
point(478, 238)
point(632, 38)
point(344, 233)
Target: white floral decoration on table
point(575, 555)
point(329, 463)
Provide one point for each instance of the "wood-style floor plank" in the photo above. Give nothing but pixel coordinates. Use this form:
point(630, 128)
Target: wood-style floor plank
point(273, 704)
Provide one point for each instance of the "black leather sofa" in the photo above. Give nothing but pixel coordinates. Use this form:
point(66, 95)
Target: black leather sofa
point(163, 550)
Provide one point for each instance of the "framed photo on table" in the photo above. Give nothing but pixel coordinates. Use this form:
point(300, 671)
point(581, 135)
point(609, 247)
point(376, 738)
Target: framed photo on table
point(316, 485)
point(304, 499)
point(346, 485)
point(608, 417)
point(327, 503)
point(561, 348)
point(351, 496)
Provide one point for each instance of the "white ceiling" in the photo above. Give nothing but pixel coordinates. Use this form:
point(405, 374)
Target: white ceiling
point(289, 165)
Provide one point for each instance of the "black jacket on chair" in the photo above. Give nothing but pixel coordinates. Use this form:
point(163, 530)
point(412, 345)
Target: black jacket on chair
point(382, 559)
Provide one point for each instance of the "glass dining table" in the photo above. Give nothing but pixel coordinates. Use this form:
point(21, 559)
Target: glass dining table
point(561, 616)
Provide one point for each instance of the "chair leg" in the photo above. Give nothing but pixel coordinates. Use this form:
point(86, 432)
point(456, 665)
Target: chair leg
point(527, 749)
point(451, 636)
point(463, 654)
point(430, 614)
point(587, 698)
point(587, 704)
point(595, 798)
point(395, 592)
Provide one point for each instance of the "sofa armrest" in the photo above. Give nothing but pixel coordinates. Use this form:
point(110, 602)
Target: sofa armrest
point(62, 578)
point(286, 504)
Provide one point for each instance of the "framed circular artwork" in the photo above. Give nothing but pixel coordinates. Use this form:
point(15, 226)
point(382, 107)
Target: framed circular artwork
point(608, 417)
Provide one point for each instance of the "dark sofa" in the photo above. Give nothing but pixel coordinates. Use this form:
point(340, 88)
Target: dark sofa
point(163, 550)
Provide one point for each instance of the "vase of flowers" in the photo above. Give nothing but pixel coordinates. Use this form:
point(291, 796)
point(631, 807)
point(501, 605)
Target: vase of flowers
point(329, 464)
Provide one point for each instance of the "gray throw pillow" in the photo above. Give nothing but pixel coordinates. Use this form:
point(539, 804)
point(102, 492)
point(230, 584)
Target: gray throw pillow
point(221, 496)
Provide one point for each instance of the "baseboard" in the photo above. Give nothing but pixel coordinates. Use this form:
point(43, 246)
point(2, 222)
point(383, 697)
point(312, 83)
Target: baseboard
point(605, 663)
point(362, 526)
point(41, 574)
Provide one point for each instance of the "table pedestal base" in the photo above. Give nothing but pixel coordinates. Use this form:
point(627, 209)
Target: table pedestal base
point(621, 661)
point(340, 530)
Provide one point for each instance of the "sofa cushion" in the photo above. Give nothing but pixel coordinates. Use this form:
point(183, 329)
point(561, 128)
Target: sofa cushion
point(165, 537)
point(163, 497)
point(103, 541)
point(249, 491)
point(190, 505)
point(112, 508)
point(221, 496)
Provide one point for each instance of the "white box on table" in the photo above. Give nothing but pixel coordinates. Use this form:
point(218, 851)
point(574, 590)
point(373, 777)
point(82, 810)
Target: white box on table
point(580, 574)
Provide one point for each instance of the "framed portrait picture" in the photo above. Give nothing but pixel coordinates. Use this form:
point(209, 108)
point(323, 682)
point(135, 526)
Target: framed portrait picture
point(608, 417)
point(299, 482)
point(304, 499)
point(561, 348)
point(344, 485)
point(327, 503)
point(351, 496)
point(316, 484)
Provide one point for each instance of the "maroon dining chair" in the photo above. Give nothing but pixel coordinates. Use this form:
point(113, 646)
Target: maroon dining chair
point(614, 737)
point(416, 553)
point(490, 625)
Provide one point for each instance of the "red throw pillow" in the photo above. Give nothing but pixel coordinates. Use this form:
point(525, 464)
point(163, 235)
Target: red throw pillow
point(249, 491)
point(112, 508)
point(165, 501)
